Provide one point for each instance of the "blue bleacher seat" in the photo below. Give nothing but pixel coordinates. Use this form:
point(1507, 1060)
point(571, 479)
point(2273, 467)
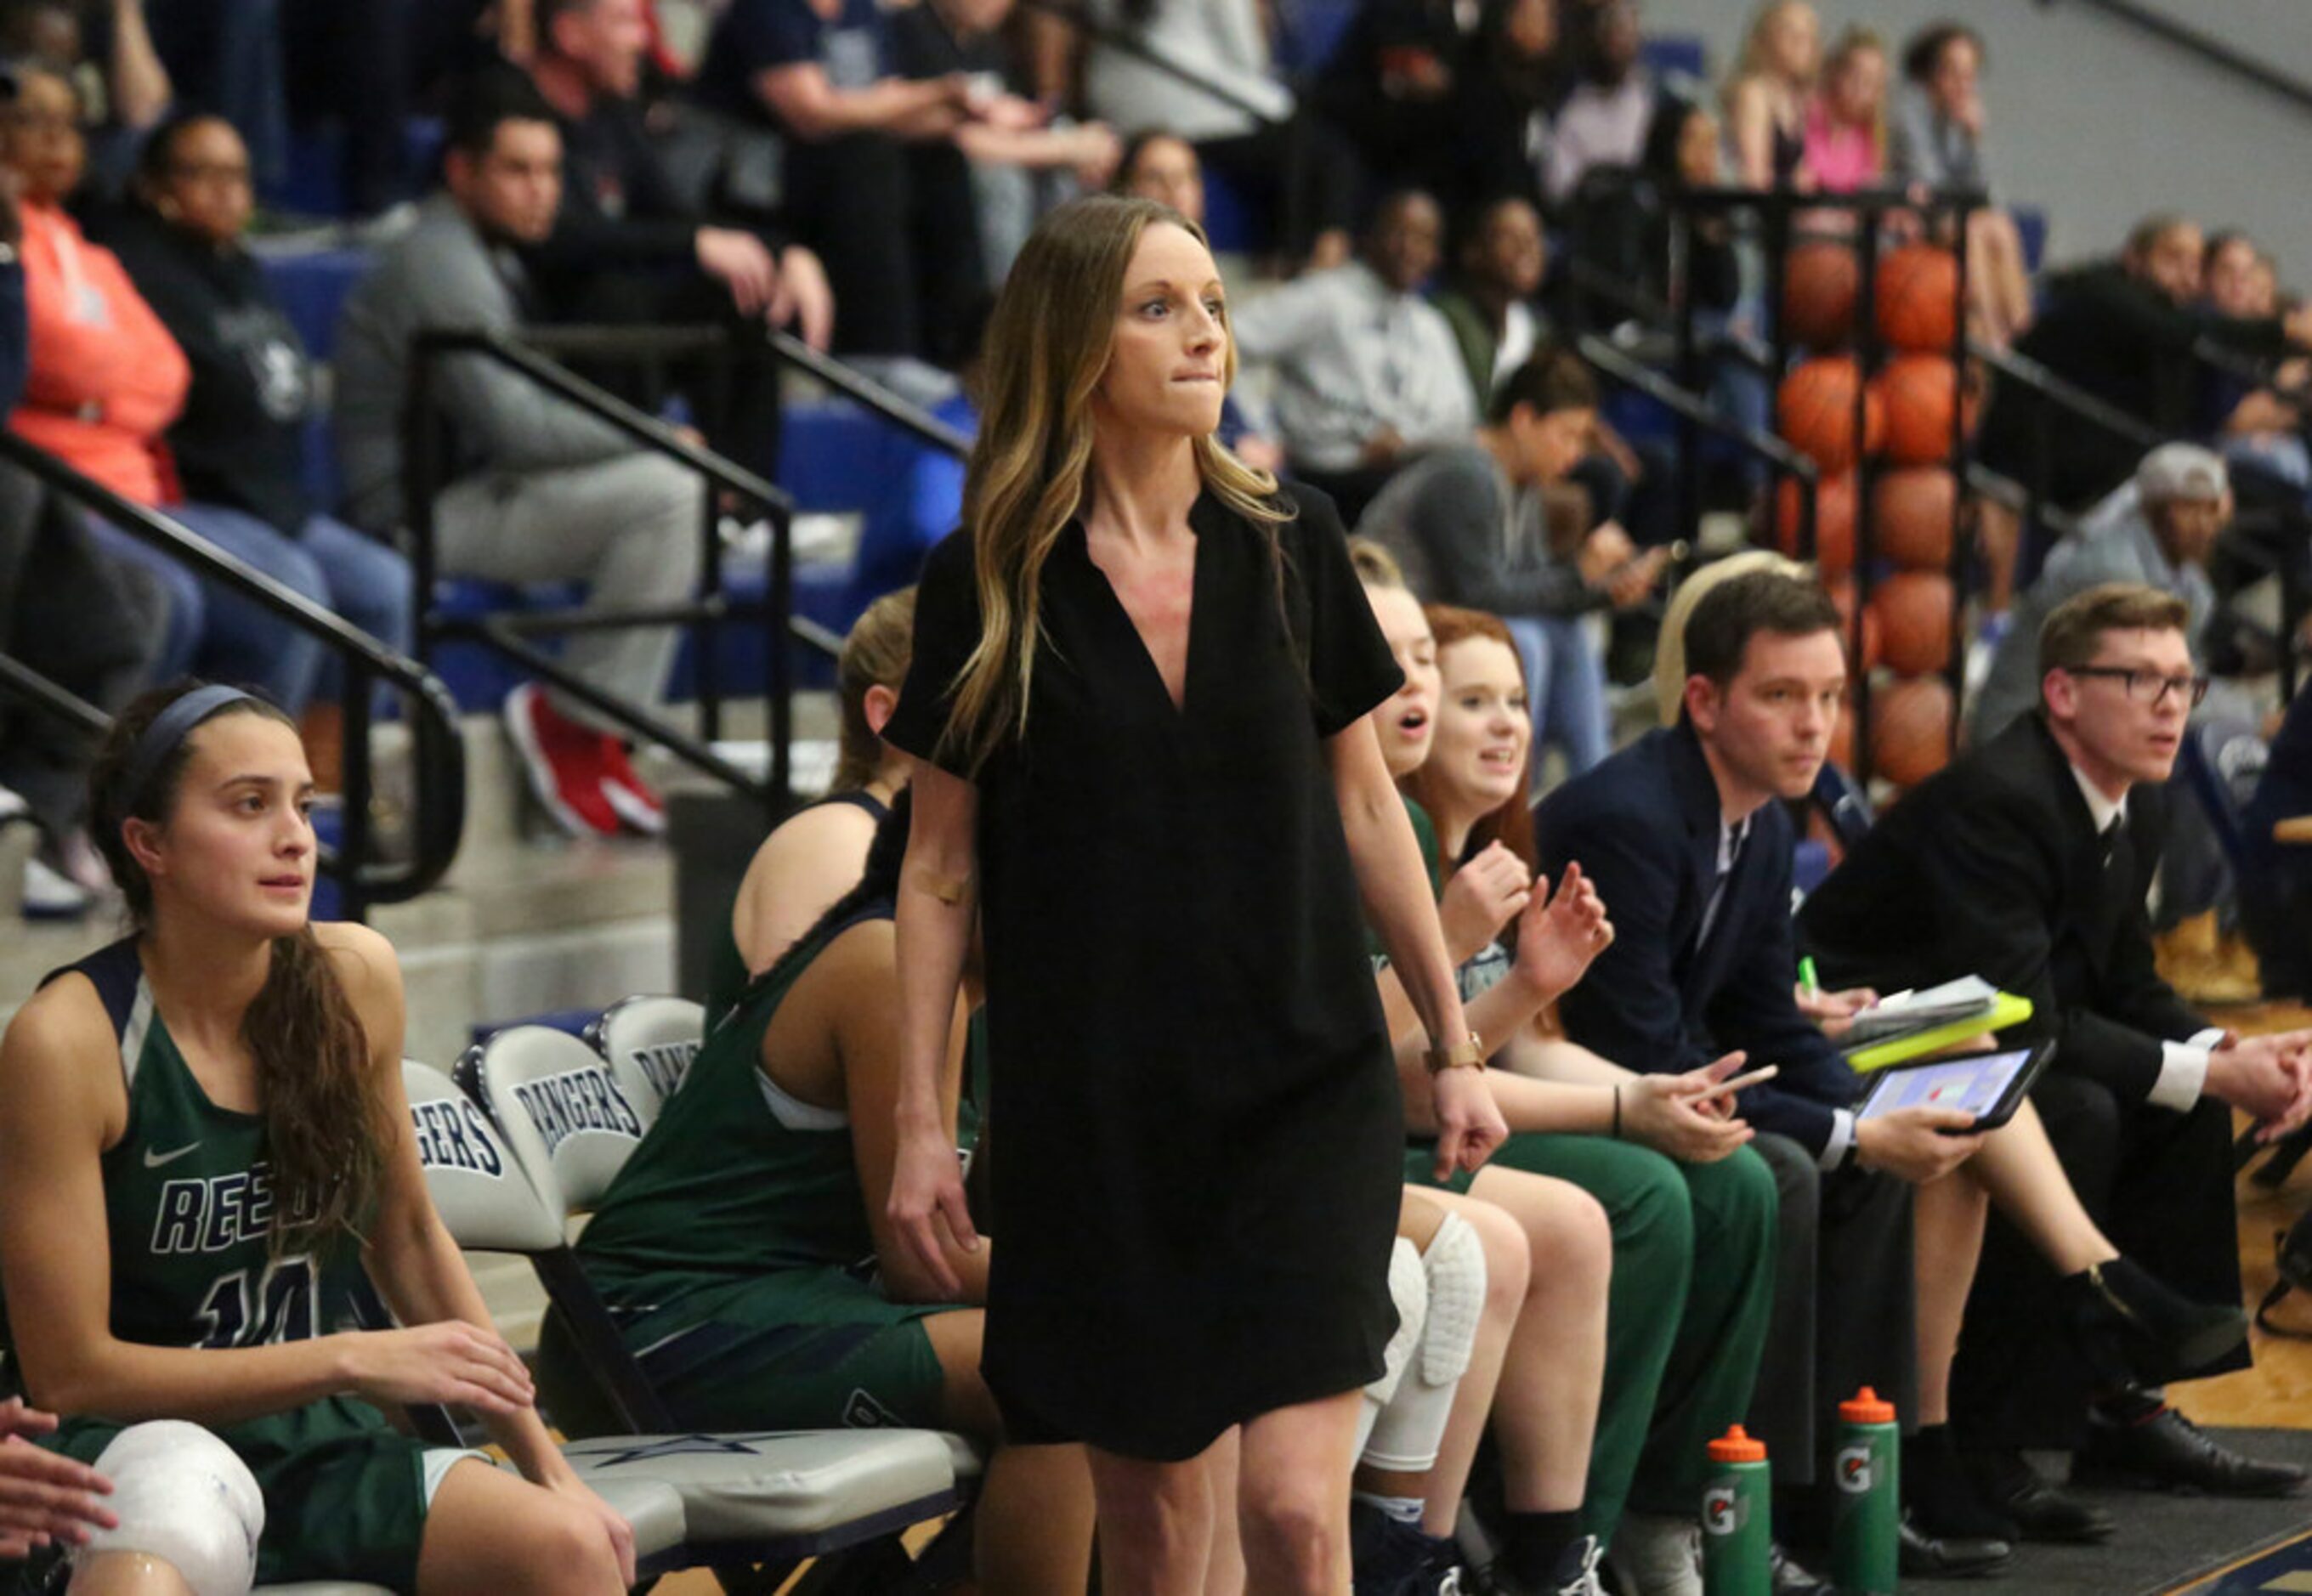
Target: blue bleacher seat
point(1234, 224)
point(2031, 224)
point(1677, 56)
point(572, 1021)
point(311, 285)
point(314, 185)
point(1309, 32)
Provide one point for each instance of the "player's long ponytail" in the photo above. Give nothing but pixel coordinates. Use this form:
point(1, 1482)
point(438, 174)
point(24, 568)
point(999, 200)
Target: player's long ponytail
point(323, 1120)
point(877, 882)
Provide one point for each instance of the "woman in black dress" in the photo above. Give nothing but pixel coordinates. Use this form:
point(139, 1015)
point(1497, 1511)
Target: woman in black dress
point(1140, 687)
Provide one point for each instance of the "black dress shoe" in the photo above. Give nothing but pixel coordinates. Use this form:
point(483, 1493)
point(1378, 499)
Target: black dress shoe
point(1791, 1580)
point(2038, 1511)
point(1939, 1494)
point(1937, 1556)
point(2167, 1452)
point(2132, 1326)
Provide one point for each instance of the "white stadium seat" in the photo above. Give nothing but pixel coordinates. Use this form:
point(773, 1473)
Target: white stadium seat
point(649, 1042)
point(564, 1128)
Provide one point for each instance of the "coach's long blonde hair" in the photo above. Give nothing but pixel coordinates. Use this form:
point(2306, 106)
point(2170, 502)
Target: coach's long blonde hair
point(1049, 344)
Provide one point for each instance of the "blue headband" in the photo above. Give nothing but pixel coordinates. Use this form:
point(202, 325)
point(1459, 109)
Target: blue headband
point(169, 727)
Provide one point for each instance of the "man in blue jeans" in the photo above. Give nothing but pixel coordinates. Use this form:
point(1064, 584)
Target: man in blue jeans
point(1468, 525)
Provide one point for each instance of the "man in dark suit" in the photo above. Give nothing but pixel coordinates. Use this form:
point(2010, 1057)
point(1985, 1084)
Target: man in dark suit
point(2028, 861)
point(1688, 849)
point(1684, 840)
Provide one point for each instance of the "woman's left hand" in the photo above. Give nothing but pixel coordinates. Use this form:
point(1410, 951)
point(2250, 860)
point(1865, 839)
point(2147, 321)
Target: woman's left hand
point(1469, 1127)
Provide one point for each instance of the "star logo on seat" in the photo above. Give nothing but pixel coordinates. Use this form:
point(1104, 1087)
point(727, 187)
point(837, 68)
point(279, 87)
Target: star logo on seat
point(649, 1449)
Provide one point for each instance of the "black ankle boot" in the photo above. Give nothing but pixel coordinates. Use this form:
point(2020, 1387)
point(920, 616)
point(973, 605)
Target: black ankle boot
point(2132, 1327)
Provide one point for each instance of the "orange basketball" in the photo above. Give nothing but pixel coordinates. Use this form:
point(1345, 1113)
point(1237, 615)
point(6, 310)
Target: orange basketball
point(1918, 299)
point(1912, 517)
point(1914, 611)
point(1919, 393)
point(1816, 411)
point(1834, 522)
point(1820, 283)
point(1841, 594)
point(1910, 728)
point(1841, 737)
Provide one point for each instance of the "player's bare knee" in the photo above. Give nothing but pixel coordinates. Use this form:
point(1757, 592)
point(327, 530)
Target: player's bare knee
point(1290, 1529)
point(567, 1548)
point(1166, 1522)
point(127, 1573)
point(1578, 1239)
point(1509, 1256)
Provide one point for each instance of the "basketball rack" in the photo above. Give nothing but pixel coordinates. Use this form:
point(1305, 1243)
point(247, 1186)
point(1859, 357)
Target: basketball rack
point(1775, 221)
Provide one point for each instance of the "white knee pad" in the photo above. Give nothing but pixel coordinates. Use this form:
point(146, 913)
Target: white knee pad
point(1406, 1436)
point(183, 1496)
point(1408, 1286)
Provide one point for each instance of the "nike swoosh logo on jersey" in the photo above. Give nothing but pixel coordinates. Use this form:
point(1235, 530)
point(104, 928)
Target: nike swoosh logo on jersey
point(155, 1160)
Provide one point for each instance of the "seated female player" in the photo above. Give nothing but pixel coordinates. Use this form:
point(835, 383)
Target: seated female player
point(1693, 1211)
point(204, 1141)
point(814, 855)
point(745, 1251)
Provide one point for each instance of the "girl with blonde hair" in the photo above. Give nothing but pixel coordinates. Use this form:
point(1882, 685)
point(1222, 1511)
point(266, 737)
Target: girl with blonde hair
point(1141, 688)
point(1766, 98)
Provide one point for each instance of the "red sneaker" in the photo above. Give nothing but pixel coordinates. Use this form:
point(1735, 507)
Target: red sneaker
point(565, 763)
point(628, 794)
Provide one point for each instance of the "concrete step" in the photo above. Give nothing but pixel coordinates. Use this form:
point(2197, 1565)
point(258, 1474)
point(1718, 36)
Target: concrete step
point(18, 842)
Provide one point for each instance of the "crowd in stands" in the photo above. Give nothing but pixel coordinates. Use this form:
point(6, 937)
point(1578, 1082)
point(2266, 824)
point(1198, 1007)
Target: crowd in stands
point(1669, 1241)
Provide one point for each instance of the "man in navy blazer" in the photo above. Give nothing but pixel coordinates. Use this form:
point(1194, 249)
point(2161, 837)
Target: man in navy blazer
point(1692, 853)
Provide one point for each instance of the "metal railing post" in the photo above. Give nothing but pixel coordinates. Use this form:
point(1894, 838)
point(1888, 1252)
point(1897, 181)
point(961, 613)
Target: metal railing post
point(355, 840)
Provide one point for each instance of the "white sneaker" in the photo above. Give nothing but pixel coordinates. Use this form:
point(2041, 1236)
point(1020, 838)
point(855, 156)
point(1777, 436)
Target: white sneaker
point(51, 896)
point(12, 806)
point(1657, 1555)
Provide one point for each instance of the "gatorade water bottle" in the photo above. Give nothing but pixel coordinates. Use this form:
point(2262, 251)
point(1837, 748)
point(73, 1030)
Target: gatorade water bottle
point(1865, 1536)
point(1737, 1528)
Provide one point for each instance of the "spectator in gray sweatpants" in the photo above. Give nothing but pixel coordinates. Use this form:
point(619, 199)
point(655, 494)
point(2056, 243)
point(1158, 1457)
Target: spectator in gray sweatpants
point(540, 489)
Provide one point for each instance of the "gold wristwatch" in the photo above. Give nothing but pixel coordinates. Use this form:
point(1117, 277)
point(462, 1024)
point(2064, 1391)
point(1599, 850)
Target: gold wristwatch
point(1469, 1054)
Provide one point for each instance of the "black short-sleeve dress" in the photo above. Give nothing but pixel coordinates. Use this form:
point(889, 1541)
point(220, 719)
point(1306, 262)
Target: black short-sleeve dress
point(1202, 1141)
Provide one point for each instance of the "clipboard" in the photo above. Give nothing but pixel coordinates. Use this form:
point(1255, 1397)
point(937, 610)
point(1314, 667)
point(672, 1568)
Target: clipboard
point(2006, 1009)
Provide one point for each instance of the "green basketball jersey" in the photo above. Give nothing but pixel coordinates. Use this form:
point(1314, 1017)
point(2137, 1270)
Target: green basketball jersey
point(189, 1204)
point(737, 1178)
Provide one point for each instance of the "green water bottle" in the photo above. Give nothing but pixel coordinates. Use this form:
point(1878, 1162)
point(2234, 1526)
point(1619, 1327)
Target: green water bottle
point(1737, 1528)
point(1865, 1535)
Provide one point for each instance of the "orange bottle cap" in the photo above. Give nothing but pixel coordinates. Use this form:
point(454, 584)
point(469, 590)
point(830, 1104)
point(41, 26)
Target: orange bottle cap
point(1735, 1446)
point(1865, 1407)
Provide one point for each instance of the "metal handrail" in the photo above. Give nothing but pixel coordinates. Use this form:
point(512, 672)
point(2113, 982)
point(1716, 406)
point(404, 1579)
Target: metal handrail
point(1691, 408)
point(440, 810)
point(2214, 51)
point(23, 682)
point(657, 340)
point(1117, 38)
point(881, 400)
point(425, 476)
